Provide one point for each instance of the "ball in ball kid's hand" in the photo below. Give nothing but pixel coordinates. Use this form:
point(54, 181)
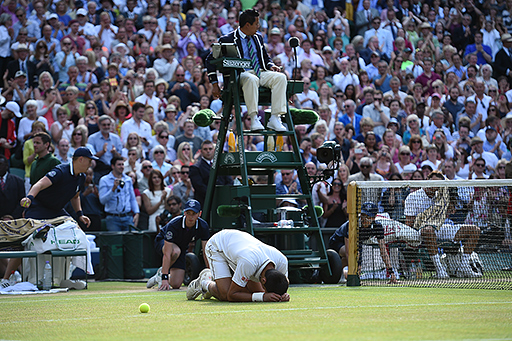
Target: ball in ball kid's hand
point(144, 308)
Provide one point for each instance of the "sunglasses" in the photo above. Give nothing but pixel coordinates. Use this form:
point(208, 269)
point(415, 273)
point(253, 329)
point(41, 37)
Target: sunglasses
point(159, 152)
point(336, 183)
point(405, 154)
point(365, 166)
point(479, 164)
point(147, 167)
point(164, 137)
point(416, 141)
point(184, 172)
point(76, 134)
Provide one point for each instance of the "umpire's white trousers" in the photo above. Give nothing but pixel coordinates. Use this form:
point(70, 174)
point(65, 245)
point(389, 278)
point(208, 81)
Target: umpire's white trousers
point(277, 83)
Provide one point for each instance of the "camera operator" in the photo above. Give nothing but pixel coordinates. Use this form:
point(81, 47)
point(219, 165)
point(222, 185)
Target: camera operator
point(116, 193)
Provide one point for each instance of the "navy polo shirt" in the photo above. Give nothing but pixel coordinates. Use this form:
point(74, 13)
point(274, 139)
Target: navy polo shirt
point(65, 185)
point(176, 232)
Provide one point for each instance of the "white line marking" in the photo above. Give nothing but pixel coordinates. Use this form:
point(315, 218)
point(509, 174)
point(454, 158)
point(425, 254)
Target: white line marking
point(138, 315)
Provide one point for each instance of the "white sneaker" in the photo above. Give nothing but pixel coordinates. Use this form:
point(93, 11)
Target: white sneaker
point(442, 274)
point(5, 283)
point(206, 274)
point(465, 270)
point(256, 124)
point(155, 280)
point(275, 123)
point(72, 284)
point(194, 289)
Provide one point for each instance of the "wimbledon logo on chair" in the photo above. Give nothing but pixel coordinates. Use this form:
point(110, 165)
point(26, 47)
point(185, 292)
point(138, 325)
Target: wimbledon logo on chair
point(266, 156)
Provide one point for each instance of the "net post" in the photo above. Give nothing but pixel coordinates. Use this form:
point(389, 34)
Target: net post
point(353, 276)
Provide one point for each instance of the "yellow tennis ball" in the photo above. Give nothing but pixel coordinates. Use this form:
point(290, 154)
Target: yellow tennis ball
point(144, 308)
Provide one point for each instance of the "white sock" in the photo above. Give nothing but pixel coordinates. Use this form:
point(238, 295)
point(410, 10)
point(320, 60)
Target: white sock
point(465, 262)
point(205, 284)
point(437, 262)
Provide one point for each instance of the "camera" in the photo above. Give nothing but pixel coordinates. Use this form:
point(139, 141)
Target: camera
point(329, 151)
point(125, 82)
point(182, 85)
point(358, 151)
point(121, 183)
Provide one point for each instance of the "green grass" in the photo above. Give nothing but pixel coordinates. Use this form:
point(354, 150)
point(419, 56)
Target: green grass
point(109, 310)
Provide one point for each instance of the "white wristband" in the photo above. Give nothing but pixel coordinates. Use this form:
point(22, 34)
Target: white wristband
point(257, 297)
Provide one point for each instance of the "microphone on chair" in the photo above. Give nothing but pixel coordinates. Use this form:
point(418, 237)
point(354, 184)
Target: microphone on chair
point(294, 43)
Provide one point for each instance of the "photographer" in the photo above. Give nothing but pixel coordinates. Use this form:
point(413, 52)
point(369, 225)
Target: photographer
point(116, 193)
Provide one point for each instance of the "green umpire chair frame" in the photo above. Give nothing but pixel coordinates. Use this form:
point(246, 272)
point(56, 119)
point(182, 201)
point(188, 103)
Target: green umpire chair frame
point(303, 245)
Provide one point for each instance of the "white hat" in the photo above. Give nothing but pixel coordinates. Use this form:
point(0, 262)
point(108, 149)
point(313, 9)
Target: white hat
point(123, 46)
point(428, 163)
point(409, 168)
point(52, 16)
point(20, 74)
point(22, 47)
point(82, 11)
point(275, 30)
point(505, 119)
point(14, 107)
point(327, 48)
point(290, 201)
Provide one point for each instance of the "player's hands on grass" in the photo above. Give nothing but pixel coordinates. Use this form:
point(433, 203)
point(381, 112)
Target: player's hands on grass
point(164, 286)
point(273, 297)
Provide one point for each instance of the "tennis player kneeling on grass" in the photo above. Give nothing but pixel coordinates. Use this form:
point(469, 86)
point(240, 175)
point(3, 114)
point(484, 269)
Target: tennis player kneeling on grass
point(243, 269)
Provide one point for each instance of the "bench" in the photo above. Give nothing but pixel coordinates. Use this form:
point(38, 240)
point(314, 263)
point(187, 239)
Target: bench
point(65, 254)
point(19, 254)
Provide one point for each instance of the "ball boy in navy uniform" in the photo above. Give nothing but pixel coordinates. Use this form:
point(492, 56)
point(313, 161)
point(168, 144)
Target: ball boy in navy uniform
point(172, 243)
point(47, 197)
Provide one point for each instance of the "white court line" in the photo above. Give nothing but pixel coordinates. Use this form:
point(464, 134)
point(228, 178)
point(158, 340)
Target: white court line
point(138, 315)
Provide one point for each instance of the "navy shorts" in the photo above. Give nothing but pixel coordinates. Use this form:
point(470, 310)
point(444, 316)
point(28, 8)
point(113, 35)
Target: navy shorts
point(180, 262)
point(336, 245)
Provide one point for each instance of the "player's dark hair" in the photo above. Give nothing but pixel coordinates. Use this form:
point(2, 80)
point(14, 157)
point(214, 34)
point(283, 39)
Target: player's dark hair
point(45, 137)
point(275, 282)
point(248, 16)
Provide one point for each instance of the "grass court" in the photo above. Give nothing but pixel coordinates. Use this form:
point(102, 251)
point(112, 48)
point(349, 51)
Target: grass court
point(109, 311)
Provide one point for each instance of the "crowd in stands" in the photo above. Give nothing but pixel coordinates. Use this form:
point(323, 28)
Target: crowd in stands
point(405, 87)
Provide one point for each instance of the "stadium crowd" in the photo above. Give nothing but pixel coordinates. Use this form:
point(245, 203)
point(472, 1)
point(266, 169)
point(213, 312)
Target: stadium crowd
point(405, 87)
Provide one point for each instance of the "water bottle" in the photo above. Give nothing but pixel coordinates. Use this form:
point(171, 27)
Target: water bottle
point(279, 143)
point(270, 144)
point(419, 270)
point(285, 223)
point(12, 280)
point(231, 142)
point(47, 276)
point(17, 277)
